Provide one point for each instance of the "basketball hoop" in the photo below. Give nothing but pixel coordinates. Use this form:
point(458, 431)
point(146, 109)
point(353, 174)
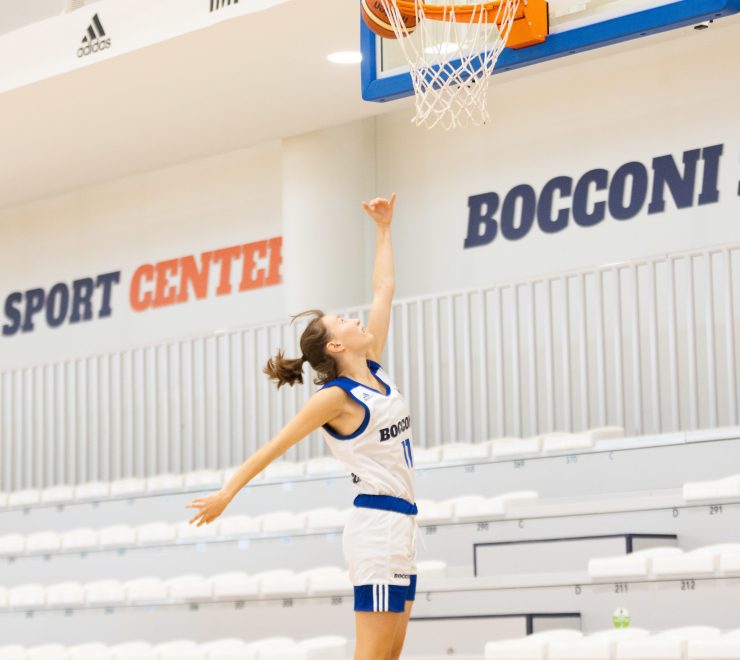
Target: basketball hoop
point(453, 48)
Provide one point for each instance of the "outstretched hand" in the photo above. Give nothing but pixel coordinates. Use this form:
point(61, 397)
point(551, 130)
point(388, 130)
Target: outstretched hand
point(209, 508)
point(380, 210)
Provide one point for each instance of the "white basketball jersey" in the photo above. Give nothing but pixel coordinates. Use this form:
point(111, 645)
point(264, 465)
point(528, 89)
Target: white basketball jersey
point(379, 453)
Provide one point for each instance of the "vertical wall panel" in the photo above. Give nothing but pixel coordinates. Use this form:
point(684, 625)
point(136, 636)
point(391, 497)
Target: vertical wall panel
point(649, 345)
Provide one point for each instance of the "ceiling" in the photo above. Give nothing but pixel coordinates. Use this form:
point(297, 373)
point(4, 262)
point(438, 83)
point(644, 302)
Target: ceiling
point(254, 78)
point(250, 79)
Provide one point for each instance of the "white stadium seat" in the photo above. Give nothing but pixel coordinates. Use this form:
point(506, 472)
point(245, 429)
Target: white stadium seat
point(668, 645)
point(90, 651)
point(189, 587)
point(729, 563)
point(130, 487)
point(205, 479)
point(134, 651)
point(228, 649)
point(239, 526)
point(192, 532)
point(12, 652)
point(280, 583)
point(82, 538)
point(700, 562)
point(427, 456)
point(183, 649)
point(326, 518)
point(324, 465)
point(12, 544)
point(327, 647)
point(279, 522)
point(160, 483)
point(284, 470)
point(606, 432)
point(727, 488)
point(3, 501)
point(57, 494)
point(512, 447)
point(272, 647)
point(234, 586)
point(724, 647)
point(105, 593)
point(3, 597)
point(117, 536)
point(434, 513)
point(47, 652)
point(462, 505)
point(533, 647)
point(465, 451)
point(26, 497)
point(46, 541)
point(156, 532)
point(559, 442)
point(431, 568)
point(92, 490)
point(635, 564)
point(65, 594)
point(597, 646)
point(146, 590)
point(328, 581)
point(26, 596)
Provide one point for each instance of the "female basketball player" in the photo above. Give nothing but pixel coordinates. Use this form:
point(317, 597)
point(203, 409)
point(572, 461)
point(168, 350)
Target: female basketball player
point(365, 421)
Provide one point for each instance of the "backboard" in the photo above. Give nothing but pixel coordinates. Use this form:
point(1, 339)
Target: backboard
point(575, 26)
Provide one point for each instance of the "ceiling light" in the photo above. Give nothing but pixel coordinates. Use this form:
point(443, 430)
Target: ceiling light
point(345, 57)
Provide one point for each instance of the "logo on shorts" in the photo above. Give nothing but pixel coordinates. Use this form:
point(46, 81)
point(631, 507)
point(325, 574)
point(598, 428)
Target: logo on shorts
point(403, 576)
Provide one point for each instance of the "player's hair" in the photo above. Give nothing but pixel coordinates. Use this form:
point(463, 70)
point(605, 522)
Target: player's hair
point(313, 344)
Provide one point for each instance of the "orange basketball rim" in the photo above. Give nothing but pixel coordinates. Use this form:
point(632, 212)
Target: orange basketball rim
point(530, 26)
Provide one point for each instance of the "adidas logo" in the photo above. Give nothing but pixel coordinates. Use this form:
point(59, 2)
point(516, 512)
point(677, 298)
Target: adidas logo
point(94, 39)
point(220, 4)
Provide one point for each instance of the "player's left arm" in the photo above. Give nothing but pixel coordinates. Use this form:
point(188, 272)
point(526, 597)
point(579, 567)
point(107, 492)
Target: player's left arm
point(384, 281)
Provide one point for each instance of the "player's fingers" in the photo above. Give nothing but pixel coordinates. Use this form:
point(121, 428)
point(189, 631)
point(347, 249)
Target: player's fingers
point(393, 199)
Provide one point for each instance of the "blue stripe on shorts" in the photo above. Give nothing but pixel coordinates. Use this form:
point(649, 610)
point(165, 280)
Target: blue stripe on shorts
point(384, 597)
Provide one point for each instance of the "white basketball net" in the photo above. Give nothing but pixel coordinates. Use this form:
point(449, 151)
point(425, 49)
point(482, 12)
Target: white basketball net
point(451, 62)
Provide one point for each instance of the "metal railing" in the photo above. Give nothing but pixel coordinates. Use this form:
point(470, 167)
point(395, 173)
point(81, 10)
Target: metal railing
point(647, 344)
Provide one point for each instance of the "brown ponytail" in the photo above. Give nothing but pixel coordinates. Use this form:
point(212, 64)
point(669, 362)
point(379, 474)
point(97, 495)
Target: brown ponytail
point(313, 344)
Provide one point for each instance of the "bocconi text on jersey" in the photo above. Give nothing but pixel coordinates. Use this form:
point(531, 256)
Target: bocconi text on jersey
point(395, 429)
point(621, 195)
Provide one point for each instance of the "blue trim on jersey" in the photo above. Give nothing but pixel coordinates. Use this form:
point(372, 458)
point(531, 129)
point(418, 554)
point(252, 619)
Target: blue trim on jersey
point(384, 597)
point(347, 385)
point(374, 366)
point(386, 503)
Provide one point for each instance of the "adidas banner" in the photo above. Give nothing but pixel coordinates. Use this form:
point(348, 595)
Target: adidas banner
point(107, 29)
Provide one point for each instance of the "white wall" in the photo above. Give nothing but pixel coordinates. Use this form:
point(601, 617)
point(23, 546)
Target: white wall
point(632, 103)
point(187, 209)
point(601, 110)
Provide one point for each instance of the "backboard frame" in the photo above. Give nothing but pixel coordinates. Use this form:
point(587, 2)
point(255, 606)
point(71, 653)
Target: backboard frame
point(682, 13)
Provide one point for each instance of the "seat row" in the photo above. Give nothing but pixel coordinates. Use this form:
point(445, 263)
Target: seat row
point(330, 647)
point(278, 583)
point(689, 643)
point(284, 470)
point(466, 508)
point(669, 562)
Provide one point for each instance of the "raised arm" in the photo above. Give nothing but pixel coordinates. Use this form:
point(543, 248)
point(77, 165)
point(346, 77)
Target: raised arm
point(320, 409)
point(384, 279)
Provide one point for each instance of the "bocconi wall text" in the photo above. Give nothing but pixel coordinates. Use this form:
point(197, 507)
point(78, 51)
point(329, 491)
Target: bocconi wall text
point(596, 194)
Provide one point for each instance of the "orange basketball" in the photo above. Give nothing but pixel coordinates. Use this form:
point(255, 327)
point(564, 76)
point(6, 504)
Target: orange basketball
point(376, 18)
